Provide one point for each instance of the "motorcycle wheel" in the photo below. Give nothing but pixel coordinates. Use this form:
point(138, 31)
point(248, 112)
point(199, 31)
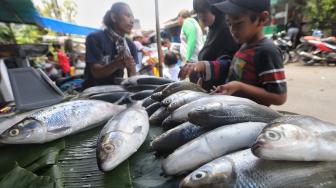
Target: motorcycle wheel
point(285, 57)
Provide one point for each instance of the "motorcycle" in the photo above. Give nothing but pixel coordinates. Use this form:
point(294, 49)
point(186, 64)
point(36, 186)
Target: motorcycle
point(317, 50)
point(283, 42)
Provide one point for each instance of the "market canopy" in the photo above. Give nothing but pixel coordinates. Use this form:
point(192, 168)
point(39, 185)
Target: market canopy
point(18, 11)
point(23, 11)
point(64, 27)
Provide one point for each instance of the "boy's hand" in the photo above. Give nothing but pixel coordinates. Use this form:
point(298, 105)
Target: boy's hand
point(191, 67)
point(229, 88)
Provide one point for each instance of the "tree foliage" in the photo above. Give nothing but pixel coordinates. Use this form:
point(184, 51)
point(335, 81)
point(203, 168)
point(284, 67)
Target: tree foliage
point(65, 10)
point(321, 14)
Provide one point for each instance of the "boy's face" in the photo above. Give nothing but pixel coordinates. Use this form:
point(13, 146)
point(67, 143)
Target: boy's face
point(242, 28)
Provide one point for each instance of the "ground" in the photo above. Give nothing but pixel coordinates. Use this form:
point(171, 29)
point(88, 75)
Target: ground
point(311, 91)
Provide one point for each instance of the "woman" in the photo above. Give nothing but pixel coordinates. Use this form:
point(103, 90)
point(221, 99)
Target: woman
point(108, 51)
point(219, 41)
point(218, 45)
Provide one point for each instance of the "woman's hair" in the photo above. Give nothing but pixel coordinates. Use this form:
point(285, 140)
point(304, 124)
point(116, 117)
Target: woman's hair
point(116, 8)
point(204, 5)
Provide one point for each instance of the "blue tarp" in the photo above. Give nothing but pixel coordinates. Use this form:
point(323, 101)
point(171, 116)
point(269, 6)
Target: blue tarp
point(64, 27)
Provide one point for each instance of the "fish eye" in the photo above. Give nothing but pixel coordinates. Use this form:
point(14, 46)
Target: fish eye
point(199, 175)
point(272, 135)
point(108, 148)
point(14, 132)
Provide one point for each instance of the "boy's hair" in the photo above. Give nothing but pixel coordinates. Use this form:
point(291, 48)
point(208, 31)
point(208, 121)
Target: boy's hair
point(170, 59)
point(204, 5)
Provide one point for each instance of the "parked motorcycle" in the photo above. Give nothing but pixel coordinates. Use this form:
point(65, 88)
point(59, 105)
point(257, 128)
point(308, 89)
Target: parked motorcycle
point(317, 50)
point(283, 42)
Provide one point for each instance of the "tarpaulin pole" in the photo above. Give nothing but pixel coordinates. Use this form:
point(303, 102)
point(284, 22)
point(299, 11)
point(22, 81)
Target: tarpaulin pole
point(158, 37)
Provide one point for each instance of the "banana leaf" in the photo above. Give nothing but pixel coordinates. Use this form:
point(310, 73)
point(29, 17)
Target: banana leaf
point(71, 162)
point(21, 178)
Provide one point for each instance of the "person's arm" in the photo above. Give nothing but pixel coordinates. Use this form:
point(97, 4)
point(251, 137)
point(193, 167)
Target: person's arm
point(190, 31)
point(257, 94)
point(94, 59)
point(100, 71)
point(213, 71)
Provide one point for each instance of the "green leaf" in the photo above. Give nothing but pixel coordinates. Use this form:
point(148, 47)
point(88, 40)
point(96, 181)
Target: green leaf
point(22, 178)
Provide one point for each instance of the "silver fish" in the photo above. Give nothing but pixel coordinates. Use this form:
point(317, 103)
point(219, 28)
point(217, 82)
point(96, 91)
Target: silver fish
point(243, 170)
point(185, 99)
point(100, 90)
point(176, 137)
point(148, 101)
point(153, 108)
point(180, 115)
point(297, 138)
point(121, 137)
point(180, 86)
point(158, 116)
point(175, 96)
point(58, 121)
point(157, 96)
point(141, 95)
point(211, 145)
point(144, 80)
point(218, 113)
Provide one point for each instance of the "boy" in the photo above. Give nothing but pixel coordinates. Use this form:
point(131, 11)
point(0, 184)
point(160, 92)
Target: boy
point(257, 70)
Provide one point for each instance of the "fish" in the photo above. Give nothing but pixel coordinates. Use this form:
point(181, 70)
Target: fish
point(175, 96)
point(243, 170)
point(179, 86)
point(100, 90)
point(152, 108)
point(148, 101)
point(141, 95)
point(160, 88)
point(219, 113)
point(137, 88)
point(120, 137)
point(297, 138)
point(176, 137)
point(157, 96)
point(113, 97)
point(180, 115)
point(185, 99)
point(211, 145)
point(158, 116)
point(58, 121)
point(144, 80)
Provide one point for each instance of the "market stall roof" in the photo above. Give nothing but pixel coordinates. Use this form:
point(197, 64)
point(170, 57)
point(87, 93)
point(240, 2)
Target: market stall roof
point(23, 11)
point(18, 11)
point(64, 27)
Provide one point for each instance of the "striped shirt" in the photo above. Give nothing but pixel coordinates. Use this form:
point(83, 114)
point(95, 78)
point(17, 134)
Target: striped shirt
point(259, 65)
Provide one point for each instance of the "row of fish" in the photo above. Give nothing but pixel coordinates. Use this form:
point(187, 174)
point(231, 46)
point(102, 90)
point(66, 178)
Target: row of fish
point(201, 128)
point(132, 89)
point(119, 138)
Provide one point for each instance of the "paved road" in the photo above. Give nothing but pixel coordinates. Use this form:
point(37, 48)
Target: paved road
point(311, 91)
